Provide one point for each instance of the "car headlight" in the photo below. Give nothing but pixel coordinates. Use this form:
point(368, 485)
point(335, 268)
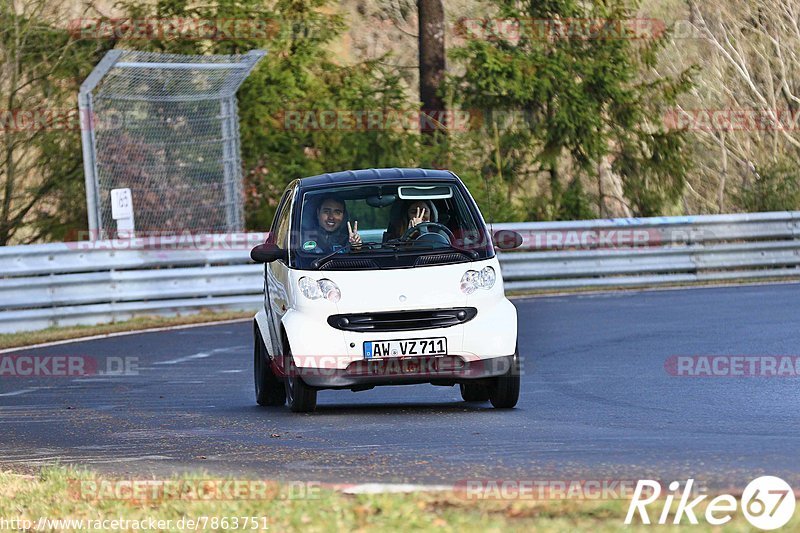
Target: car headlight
point(324, 288)
point(472, 280)
point(330, 291)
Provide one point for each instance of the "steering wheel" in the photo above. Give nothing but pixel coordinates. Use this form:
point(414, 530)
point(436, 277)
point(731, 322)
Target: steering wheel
point(423, 229)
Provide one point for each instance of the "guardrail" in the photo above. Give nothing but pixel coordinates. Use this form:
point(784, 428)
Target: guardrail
point(63, 284)
point(636, 252)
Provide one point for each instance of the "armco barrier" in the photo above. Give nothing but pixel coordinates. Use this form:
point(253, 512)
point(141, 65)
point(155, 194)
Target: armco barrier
point(63, 284)
point(653, 251)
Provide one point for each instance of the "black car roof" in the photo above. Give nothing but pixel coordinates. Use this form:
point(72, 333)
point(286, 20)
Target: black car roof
point(375, 174)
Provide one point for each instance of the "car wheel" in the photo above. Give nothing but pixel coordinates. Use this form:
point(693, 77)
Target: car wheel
point(269, 389)
point(505, 392)
point(301, 397)
point(474, 392)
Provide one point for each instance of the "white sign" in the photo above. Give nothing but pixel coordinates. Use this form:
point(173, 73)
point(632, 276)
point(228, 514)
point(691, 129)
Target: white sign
point(121, 204)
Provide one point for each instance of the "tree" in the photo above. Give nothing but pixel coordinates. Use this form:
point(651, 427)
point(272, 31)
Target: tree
point(41, 174)
point(744, 110)
point(283, 103)
point(431, 62)
point(568, 97)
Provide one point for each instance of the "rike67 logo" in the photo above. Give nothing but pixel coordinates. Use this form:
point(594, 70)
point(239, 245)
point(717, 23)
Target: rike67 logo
point(767, 503)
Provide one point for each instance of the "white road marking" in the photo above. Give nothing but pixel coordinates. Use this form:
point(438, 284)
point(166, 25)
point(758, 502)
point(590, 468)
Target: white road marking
point(18, 392)
point(201, 355)
point(230, 371)
point(124, 333)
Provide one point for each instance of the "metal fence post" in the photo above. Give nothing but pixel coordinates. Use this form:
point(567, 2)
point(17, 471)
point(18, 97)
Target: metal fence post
point(87, 122)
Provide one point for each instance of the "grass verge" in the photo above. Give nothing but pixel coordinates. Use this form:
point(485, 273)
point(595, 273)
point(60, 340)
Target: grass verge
point(25, 338)
point(58, 493)
point(705, 284)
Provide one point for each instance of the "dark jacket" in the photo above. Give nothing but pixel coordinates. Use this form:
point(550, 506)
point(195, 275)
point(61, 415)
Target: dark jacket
point(325, 241)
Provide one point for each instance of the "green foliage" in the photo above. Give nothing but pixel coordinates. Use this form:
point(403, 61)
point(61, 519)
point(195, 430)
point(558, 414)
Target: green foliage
point(42, 194)
point(776, 187)
point(283, 102)
point(573, 102)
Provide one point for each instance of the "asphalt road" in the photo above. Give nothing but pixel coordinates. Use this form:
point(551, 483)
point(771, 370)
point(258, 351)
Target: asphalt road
point(597, 402)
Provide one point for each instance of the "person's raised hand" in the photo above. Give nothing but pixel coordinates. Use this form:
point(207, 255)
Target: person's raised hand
point(355, 238)
point(418, 218)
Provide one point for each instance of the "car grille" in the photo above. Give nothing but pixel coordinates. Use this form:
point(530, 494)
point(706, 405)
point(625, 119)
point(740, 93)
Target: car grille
point(403, 320)
point(350, 264)
point(438, 259)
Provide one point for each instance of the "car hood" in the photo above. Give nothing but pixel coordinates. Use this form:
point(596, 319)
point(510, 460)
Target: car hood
point(430, 287)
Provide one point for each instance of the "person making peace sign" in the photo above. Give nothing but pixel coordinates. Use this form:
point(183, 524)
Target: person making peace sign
point(330, 234)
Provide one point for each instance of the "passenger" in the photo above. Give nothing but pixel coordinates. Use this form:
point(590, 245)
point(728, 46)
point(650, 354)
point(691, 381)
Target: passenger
point(331, 232)
point(409, 214)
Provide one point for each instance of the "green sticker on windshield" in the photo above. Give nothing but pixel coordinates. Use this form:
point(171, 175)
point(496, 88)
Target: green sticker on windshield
point(309, 245)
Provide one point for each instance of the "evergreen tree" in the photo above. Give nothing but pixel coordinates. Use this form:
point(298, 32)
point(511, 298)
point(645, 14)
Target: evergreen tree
point(563, 91)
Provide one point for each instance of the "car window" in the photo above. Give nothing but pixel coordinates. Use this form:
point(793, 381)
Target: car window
point(283, 220)
point(385, 217)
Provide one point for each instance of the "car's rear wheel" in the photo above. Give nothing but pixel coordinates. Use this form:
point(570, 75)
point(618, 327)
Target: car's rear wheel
point(504, 393)
point(269, 389)
point(301, 397)
point(474, 392)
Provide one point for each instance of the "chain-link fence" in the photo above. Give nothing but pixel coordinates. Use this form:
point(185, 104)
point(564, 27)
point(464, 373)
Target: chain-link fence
point(166, 127)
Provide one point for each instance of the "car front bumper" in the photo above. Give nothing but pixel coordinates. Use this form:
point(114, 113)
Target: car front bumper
point(446, 370)
point(492, 333)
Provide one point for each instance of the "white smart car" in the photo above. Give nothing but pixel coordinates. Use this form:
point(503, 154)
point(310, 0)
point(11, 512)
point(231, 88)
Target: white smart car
point(382, 277)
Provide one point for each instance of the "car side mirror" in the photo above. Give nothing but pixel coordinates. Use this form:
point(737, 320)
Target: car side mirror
point(267, 253)
point(507, 239)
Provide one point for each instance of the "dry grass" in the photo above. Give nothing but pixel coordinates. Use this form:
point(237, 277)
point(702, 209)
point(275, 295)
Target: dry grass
point(26, 338)
point(55, 494)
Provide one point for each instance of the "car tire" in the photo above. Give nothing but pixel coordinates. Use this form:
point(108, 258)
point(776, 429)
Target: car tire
point(505, 392)
point(269, 389)
point(474, 392)
point(301, 397)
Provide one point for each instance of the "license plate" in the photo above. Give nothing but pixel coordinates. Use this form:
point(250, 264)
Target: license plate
point(405, 348)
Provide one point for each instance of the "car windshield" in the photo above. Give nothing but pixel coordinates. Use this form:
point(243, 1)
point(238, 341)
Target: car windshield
point(399, 225)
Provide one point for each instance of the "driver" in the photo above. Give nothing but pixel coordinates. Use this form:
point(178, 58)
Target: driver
point(333, 228)
point(410, 214)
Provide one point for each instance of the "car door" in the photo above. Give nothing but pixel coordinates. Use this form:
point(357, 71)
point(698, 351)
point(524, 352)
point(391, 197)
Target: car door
point(277, 272)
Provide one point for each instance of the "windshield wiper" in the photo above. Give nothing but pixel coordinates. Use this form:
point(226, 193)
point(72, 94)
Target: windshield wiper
point(408, 246)
point(324, 259)
point(472, 253)
point(441, 246)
